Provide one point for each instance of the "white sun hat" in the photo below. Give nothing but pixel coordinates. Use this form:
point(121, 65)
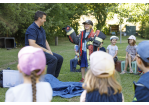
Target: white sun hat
point(101, 62)
point(132, 37)
point(114, 37)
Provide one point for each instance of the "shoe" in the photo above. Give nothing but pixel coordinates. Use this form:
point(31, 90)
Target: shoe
point(82, 80)
point(137, 73)
point(73, 70)
point(131, 71)
point(123, 72)
point(78, 70)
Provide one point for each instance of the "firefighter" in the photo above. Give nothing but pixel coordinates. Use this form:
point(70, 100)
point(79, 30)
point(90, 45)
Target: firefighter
point(88, 42)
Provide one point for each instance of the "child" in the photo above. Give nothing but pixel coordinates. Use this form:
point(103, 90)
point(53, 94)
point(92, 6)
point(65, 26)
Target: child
point(73, 62)
point(101, 48)
point(113, 49)
point(86, 43)
point(142, 86)
point(100, 84)
point(130, 53)
point(32, 63)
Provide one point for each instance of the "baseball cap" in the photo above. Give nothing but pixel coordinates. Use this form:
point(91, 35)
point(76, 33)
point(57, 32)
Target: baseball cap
point(132, 37)
point(30, 59)
point(88, 22)
point(143, 50)
point(114, 37)
point(101, 62)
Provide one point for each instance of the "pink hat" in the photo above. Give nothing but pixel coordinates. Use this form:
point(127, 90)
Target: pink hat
point(101, 62)
point(30, 59)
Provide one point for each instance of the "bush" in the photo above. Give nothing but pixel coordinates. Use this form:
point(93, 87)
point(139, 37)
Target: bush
point(106, 30)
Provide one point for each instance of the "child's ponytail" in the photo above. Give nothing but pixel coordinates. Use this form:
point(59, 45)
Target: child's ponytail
point(33, 80)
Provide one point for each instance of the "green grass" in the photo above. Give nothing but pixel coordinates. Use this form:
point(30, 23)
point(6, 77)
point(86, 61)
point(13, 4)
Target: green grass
point(9, 58)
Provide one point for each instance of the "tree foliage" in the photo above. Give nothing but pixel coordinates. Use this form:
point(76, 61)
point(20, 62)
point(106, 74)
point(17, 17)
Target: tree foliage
point(60, 15)
point(15, 18)
point(100, 11)
point(133, 12)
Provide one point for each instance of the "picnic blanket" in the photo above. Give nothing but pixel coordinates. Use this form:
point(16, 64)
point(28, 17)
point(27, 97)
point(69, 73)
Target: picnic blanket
point(64, 89)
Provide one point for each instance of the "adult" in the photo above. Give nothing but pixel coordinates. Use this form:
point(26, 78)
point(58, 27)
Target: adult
point(35, 36)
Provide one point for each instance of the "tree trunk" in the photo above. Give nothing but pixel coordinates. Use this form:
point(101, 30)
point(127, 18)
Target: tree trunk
point(56, 40)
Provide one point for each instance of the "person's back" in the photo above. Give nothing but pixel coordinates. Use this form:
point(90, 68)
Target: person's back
point(31, 63)
point(142, 86)
point(95, 96)
point(100, 84)
point(23, 93)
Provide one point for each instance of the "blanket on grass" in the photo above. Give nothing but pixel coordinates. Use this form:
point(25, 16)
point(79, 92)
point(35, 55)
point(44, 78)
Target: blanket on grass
point(64, 89)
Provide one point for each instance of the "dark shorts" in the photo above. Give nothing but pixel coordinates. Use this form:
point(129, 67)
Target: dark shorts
point(115, 59)
point(84, 62)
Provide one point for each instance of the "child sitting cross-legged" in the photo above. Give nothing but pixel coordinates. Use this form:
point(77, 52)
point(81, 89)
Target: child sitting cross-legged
point(32, 63)
point(74, 62)
point(100, 82)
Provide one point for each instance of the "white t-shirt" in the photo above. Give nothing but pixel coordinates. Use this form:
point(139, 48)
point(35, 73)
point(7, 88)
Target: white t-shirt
point(23, 93)
point(112, 49)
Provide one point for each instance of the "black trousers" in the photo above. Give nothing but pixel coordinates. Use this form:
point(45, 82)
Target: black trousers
point(54, 63)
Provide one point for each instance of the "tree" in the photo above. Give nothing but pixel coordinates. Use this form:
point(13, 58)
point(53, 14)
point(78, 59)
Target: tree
point(133, 12)
point(100, 11)
point(60, 15)
point(15, 18)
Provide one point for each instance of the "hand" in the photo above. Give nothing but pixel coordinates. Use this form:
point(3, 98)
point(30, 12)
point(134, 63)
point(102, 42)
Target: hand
point(50, 52)
point(77, 54)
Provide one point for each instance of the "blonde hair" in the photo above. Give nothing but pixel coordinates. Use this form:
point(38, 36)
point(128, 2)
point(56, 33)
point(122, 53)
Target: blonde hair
point(92, 82)
point(33, 77)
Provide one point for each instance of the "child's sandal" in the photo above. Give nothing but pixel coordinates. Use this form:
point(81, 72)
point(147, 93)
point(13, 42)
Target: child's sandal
point(123, 72)
point(131, 70)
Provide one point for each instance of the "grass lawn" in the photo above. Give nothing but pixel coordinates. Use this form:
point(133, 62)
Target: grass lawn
point(9, 58)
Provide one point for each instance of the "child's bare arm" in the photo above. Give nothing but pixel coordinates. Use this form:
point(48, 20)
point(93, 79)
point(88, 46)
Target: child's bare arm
point(122, 98)
point(115, 53)
point(107, 51)
point(83, 96)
